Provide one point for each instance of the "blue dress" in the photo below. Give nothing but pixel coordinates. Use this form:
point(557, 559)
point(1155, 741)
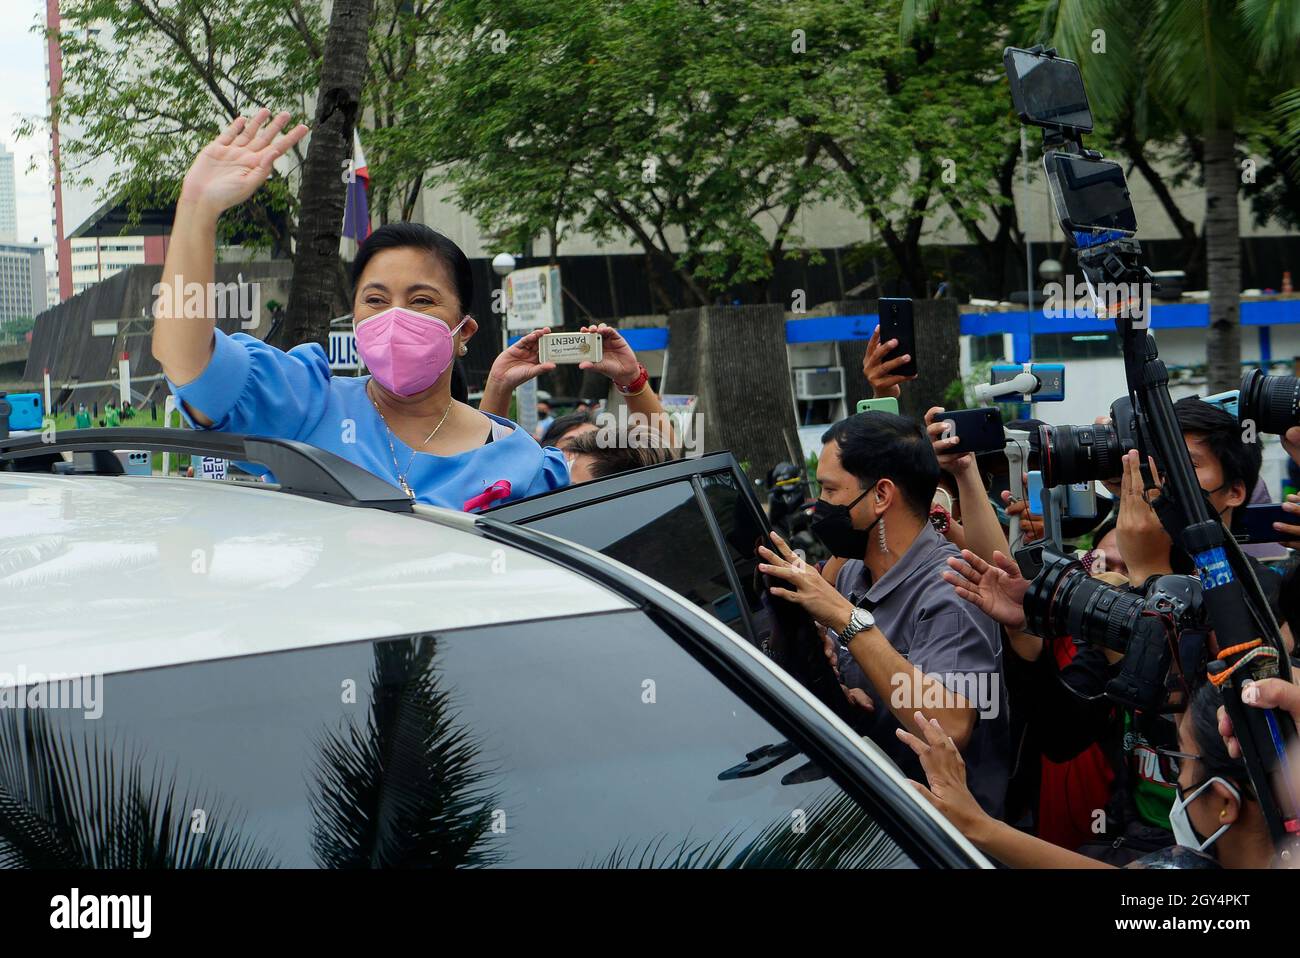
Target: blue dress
point(253, 388)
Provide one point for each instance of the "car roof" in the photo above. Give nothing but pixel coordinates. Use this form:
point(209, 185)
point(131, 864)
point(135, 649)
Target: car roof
point(102, 574)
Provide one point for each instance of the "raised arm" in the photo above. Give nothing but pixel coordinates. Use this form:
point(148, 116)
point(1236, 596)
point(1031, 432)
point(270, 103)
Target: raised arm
point(227, 172)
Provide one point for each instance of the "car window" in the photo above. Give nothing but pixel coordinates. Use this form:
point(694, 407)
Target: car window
point(588, 742)
point(661, 532)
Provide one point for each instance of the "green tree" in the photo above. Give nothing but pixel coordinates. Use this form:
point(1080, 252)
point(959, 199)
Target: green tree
point(662, 121)
point(895, 95)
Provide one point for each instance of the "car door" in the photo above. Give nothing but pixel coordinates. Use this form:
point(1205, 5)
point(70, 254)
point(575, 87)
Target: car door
point(693, 525)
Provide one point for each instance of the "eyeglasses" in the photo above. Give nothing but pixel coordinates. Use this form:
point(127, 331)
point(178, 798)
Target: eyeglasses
point(1168, 760)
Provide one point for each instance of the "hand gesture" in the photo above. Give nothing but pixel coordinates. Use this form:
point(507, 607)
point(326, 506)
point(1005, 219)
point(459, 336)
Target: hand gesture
point(1292, 529)
point(618, 362)
point(1142, 540)
point(945, 770)
point(806, 585)
point(997, 590)
point(231, 168)
point(880, 371)
point(935, 428)
point(518, 364)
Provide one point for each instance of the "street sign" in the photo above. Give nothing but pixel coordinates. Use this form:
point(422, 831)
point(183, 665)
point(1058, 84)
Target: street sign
point(533, 299)
point(343, 350)
point(208, 467)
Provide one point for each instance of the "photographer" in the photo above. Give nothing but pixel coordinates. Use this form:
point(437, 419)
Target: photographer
point(903, 638)
point(1215, 816)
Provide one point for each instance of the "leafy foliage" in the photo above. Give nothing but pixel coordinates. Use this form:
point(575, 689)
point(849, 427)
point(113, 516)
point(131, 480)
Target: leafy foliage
point(406, 789)
point(91, 803)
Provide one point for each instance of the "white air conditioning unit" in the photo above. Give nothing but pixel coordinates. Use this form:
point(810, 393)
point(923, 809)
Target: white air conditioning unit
point(826, 382)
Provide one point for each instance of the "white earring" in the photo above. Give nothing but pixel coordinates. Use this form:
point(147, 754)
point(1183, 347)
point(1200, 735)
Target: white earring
point(463, 350)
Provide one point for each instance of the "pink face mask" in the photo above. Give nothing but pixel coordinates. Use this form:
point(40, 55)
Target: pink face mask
point(406, 351)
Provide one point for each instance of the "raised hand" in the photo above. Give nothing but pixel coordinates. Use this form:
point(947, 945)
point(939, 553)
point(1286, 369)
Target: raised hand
point(231, 168)
point(1143, 542)
point(880, 371)
point(996, 590)
point(952, 462)
point(945, 771)
point(518, 364)
point(618, 361)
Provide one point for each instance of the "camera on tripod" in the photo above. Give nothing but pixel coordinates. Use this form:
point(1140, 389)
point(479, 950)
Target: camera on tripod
point(1095, 210)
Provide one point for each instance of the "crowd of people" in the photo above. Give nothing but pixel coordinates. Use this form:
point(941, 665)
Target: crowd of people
point(1013, 733)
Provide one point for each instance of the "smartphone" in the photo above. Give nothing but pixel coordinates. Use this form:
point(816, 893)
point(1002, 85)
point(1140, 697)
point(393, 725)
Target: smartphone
point(1034, 493)
point(884, 404)
point(1090, 196)
point(1081, 500)
point(978, 430)
point(570, 348)
point(1257, 522)
point(896, 323)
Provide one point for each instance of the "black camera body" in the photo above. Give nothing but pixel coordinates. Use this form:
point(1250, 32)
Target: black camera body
point(1069, 454)
point(1063, 599)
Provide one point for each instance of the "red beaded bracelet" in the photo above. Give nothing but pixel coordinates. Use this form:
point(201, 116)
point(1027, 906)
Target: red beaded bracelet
point(636, 385)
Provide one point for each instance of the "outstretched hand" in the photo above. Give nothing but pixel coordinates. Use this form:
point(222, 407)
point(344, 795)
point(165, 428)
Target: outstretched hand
point(517, 364)
point(945, 770)
point(997, 590)
point(879, 370)
point(231, 168)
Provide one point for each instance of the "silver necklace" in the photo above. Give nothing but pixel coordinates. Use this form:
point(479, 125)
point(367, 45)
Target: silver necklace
point(402, 473)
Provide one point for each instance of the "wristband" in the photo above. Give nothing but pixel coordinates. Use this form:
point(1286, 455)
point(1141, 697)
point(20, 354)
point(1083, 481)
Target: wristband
point(636, 385)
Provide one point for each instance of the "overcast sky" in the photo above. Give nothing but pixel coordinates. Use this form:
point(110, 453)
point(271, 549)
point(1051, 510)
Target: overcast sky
point(22, 93)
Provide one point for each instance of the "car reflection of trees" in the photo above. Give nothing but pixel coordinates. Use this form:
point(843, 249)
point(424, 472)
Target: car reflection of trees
point(85, 803)
point(404, 790)
point(833, 832)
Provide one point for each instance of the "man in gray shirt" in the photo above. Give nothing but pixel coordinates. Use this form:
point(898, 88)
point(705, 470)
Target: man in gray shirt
point(904, 636)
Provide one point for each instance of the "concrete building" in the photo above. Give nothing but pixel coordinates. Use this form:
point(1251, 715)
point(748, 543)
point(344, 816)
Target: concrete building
point(8, 198)
point(22, 280)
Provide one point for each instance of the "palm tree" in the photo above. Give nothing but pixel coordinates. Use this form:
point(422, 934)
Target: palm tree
point(836, 834)
point(406, 790)
point(1210, 66)
point(82, 802)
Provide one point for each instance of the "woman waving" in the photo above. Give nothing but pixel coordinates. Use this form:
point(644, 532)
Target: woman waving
point(412, 288)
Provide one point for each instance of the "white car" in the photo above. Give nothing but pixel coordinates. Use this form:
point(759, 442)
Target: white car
point(319, 674)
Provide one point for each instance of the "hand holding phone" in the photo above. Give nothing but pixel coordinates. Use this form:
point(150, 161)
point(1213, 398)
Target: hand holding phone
point(897, 323)
point(977, 430)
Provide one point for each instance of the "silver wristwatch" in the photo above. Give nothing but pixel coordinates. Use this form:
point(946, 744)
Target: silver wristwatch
point(859, 621)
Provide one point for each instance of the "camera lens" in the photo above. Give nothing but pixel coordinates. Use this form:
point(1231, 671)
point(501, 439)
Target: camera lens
point(1064, 600)
point(1069, 454)
point(1271, 402)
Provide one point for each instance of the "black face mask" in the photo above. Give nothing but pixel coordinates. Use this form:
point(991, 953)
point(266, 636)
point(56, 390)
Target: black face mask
point(833, 525)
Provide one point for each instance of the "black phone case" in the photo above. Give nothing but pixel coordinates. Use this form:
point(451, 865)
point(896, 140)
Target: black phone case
point(978, 430)
point(1257, 522)
point(897, 322)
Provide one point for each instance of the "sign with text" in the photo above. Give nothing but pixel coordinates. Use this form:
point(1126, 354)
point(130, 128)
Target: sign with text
point(533, 299)
point(343, 350)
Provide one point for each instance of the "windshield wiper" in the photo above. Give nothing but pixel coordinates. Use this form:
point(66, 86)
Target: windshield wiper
point(761, 760)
